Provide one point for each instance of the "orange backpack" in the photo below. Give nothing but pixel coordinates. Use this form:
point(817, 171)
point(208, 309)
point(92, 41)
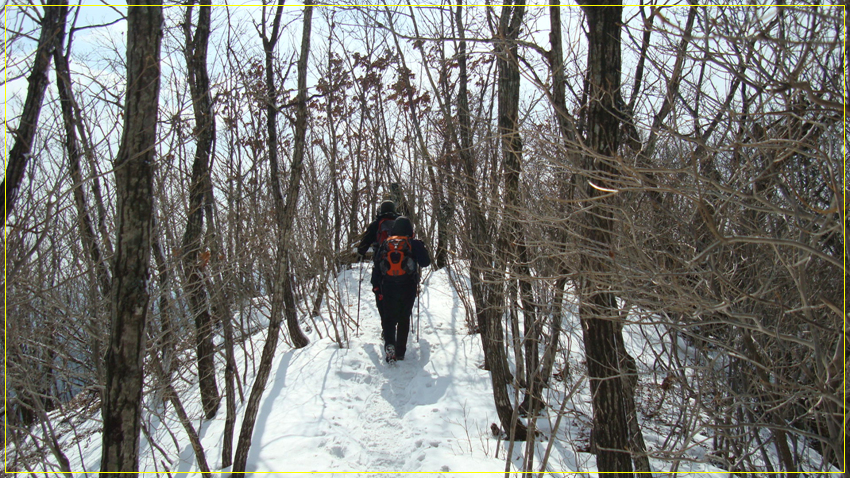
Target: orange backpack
point(396, 261)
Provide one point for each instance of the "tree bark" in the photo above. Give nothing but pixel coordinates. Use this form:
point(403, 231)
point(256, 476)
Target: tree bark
point(193, 254)
point(568, 136)
point(167, 342)
point(122, 400)
point(475, 217)
point(49, 40)
point(512, 245)
point(243, 443)
point(629, 376)
point(72, 122)
point(598, 306)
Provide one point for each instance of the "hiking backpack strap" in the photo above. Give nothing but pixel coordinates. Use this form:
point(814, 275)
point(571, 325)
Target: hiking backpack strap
point(385, 226)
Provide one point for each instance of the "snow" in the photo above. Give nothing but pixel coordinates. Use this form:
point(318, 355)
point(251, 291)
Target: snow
point(329, 409)
point(332, 409)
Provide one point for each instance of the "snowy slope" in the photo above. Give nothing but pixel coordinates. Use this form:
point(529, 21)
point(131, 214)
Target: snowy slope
point(329, 409)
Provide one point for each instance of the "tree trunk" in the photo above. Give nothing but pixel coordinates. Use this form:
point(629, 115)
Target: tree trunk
point(551, 351)
point(568, 137)
point(282, 285)
point(598, 307)
point(299, 340)
point(73, 123)
point(487, 285)
point(243, 443)
point(49, 40)
point(475, 217)
point(122, 400)
point(516, 250)
point(66, 100)
point(230, 393)
point(167, 342)
point(628, 369)
point(221, 302)
point(194, 258)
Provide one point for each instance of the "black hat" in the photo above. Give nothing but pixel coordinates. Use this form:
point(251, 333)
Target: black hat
point(387, 207)
point(402, 227)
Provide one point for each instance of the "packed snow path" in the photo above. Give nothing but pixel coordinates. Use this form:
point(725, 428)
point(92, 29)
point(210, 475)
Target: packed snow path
point(328, 408)
point(332, 409)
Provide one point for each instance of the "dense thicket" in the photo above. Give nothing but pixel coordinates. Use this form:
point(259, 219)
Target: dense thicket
point(685, 175)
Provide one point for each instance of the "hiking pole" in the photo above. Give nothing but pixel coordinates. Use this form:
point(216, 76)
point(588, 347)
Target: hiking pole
point(359, 286)
point(417, 312)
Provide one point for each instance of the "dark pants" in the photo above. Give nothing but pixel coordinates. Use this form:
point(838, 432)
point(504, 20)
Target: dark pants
point(395, 308)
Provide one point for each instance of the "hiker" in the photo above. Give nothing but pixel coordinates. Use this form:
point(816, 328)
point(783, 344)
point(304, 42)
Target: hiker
point(379, 229)
point(395, 281)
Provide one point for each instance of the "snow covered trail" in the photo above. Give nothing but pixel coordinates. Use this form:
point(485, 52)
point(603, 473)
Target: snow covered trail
point(332, 409)
point(329, 409)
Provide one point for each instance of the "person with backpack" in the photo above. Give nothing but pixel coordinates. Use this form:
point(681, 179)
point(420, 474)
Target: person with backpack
point(379, 229)
point(395, 281)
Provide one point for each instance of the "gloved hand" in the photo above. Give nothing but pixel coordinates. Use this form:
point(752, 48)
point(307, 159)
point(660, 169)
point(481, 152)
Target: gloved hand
point(377, 291)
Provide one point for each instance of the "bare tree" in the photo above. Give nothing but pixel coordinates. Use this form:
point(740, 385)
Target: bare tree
point(49, 40)
point(195, 258)
point(598, 307)
point(75, 153)
point(487, 289)
point(512, 247)
point(133, 178)
point(694, 199)
point(282, 290)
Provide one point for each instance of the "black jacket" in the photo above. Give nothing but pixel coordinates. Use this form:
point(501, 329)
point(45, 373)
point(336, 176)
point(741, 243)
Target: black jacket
point(371, 235)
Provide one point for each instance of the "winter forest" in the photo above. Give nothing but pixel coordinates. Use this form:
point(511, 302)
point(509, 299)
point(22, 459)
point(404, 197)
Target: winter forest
point(635, 214)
